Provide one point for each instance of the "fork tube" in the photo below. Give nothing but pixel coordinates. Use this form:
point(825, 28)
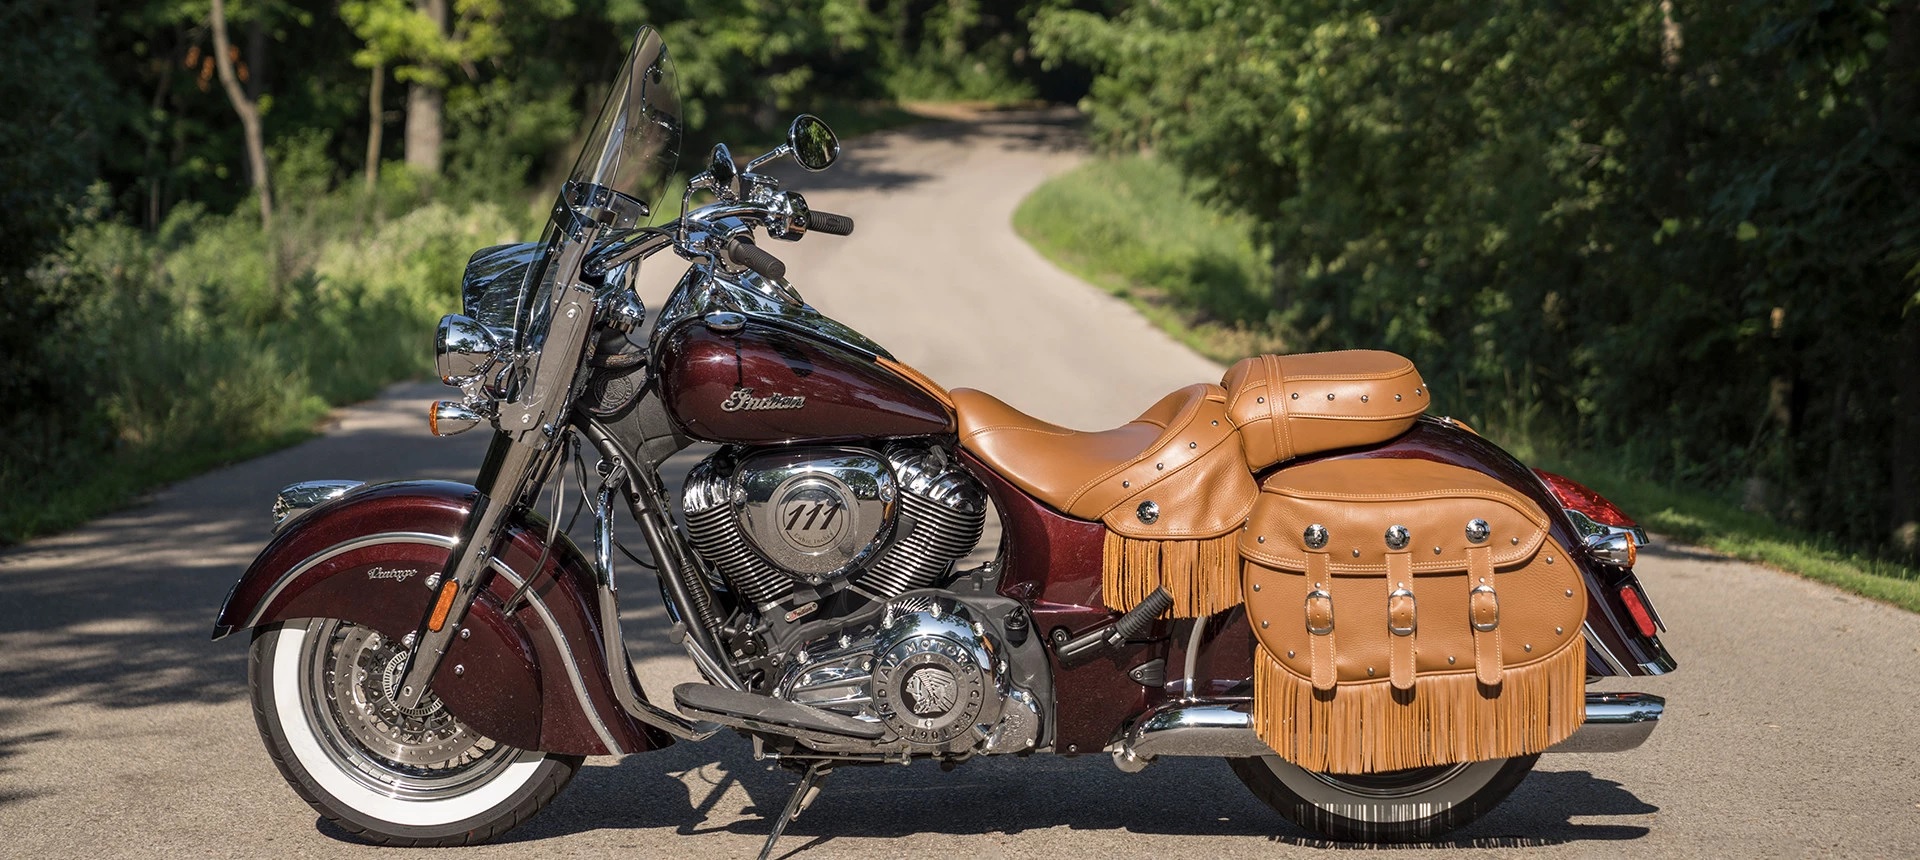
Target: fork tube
point(502, 475)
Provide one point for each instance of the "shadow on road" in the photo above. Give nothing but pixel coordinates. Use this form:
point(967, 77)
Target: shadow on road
point(690, 790)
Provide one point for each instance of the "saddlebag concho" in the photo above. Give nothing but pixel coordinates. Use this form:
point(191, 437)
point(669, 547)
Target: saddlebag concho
point(1409, 614)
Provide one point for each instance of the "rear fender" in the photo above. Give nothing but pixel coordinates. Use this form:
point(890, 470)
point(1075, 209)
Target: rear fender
point(1615, 646)
point(535, 679)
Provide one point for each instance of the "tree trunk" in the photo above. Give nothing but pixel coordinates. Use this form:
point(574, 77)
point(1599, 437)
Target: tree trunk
point(424, 104)
point(249, 113)
point(376, 123)
point(1902, 102)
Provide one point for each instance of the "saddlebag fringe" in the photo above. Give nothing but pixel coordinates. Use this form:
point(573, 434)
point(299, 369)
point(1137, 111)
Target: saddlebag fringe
point(1202, 575)
point(1444, 719)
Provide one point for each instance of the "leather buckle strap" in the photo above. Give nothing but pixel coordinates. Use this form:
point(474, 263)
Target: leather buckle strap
point(1400, 612)
point(1401, 621)
point(1484, 606)
point(1319, 611)
point(1483, 612)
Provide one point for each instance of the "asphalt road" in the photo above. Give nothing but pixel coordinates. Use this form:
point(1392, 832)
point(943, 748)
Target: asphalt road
point(1792, 726)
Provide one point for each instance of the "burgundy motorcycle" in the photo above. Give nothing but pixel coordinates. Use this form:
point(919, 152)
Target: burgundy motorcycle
point(1380, 618)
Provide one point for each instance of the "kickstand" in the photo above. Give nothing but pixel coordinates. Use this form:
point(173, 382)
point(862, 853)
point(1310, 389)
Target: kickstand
point(803, 794)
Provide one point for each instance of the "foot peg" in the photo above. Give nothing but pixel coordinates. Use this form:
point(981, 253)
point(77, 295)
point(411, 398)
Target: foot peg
point(1085, 646)
point(768, 715)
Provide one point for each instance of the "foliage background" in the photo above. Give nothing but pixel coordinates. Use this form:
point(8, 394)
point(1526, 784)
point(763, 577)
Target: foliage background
point(1685, 234)
point(1683, 237)
point(152, 327)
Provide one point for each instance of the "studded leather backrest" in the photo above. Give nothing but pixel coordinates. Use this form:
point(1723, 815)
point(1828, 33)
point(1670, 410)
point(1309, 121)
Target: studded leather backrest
point(1288, 406)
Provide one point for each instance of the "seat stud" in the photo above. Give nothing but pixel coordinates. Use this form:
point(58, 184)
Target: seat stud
point(1194, 444)
point(1148, 512)
point(1159, 466)
point(1396, 397)
point(1259, 400)
point(1296, 395)
point(1329, 395)
point(1363, 398)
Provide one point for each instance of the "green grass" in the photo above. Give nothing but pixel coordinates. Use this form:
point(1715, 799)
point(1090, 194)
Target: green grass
point(1130, 226)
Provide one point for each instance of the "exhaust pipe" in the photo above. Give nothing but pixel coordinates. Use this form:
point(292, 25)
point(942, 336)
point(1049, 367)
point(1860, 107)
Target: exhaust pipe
point(1616, 722)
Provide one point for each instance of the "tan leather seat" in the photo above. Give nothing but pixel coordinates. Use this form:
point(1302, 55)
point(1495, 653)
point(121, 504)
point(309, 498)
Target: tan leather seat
point(1110, 474)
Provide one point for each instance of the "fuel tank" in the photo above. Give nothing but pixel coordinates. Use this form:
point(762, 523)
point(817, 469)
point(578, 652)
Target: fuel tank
point(769, 384)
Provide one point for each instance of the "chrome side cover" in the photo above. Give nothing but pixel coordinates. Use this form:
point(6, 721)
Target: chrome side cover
point(817, 512)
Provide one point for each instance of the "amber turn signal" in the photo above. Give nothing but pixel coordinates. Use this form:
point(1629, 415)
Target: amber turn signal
point(442, 606)
point(447, 418)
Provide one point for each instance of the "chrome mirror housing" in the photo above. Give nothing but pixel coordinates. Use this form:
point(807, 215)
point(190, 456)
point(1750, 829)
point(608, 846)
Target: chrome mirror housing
point(725, 174)
point(463, 349)
point(814, 145)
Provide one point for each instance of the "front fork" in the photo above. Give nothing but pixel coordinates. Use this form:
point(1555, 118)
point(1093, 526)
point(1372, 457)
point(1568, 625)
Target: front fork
point(508, 472)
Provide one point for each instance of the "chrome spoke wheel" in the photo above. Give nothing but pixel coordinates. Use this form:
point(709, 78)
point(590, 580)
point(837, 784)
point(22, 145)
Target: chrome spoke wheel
point(1395, 806)
point(324, 698)
point(422, 753)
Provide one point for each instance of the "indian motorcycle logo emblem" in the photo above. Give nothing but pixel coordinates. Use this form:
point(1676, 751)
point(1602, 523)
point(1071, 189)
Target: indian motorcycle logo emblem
point(391, 573)
point(742, 400)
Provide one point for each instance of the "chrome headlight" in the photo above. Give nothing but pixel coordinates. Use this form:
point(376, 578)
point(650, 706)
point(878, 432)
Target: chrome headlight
point(463, 349)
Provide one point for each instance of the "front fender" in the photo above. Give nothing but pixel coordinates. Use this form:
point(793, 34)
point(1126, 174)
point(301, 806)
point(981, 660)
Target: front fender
point(535, 679)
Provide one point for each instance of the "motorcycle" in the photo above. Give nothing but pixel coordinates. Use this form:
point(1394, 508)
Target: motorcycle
point(1243, 572)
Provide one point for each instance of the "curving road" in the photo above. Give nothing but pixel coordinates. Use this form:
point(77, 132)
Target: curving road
point(1793, 727)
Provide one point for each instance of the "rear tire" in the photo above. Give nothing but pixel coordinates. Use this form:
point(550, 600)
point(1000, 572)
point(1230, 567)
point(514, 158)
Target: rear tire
point(408, 777)
point(1398, 806)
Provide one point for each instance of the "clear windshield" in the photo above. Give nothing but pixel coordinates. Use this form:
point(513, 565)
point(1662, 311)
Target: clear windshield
point(619, 176)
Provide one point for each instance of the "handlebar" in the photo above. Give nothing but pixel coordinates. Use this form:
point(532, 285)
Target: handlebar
point(646, 242)
point(741, 251)
point(827, 222)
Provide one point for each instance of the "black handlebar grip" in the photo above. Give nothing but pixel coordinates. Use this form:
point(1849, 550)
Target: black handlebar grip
point(745, 253)
point(827, 222)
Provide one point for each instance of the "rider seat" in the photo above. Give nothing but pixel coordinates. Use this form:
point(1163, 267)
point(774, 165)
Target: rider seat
point(1175, 455)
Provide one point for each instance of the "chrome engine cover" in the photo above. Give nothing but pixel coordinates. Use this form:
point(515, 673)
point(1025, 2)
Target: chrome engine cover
point(928, 671)
point(828, 517)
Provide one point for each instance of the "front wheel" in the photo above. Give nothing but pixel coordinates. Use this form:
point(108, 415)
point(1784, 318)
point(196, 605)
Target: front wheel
point(1398, 806)
point(323, 699)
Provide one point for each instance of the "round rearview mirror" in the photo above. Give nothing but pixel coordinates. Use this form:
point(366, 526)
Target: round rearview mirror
point(814, 144)
point(726, 176)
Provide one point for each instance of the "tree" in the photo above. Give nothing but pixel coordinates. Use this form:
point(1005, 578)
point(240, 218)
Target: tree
point(247, 108)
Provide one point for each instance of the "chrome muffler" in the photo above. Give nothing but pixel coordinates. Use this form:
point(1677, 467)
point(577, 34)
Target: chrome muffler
point(1616, 722)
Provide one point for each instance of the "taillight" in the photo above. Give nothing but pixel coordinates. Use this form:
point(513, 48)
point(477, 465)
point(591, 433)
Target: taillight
point(1637, 607)
point(1575, 496)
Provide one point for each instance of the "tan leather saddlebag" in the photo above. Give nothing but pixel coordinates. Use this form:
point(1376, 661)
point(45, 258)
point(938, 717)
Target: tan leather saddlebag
point(1409, 613)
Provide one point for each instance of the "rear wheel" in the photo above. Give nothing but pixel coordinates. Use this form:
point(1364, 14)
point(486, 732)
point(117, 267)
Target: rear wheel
point(1397, 806)
point(323, 699)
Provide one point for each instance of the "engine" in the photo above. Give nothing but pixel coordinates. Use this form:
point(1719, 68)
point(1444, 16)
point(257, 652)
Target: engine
point(928, 670)
point(884, 523)
point(871, 536)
